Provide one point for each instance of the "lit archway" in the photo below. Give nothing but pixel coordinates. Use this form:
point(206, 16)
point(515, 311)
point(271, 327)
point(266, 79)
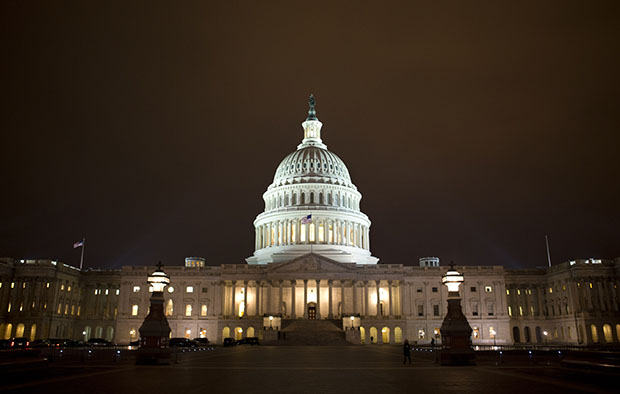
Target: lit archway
point(385, 335)
point(133, 334)
point(398, 335)
point(362, 335)
point(594, 333)
point(238, 333)
point(373, 335)
point(110, 334)
point(607, 334)
point(19, 330)
point(241, 309)
point(33, 332)
point(226, 332)
point(250, 332)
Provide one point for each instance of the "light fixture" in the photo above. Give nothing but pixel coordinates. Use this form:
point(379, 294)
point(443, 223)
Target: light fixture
point(452, 279)
point(158, 280)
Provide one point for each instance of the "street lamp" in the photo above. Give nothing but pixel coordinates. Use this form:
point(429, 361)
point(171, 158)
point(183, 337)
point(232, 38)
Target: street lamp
point(545, 333)
point(455, 329)
point(352, 322)
point(271, 322)
point(155, 330)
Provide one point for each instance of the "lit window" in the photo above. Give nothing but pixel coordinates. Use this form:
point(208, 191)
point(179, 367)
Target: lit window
point(437, 332)
point(72, 310)
point(150, 289)
point(0, 285)
point(66, 309)
point(134, 310)
point(9, 308)
point(189, 289)
point(170, 289)
point(59, 309)
point(507, 292)
point(520, 311)
point(12, 285)
point(563, 287)
point(492, 332)
point(518, 292)
point(106, 291)
point(136, 289)
point(590, 284)
point(95, 291)
point(476, 333)
point(421, 334)
point(531, 311)
point(529, 291)
point(62, 287)
point(509, 311)
point(47, 285)
point(21, 307)
point(188, 310)
point(489, 289)
point(24, 285)
point(550, 290)
point(118, 291)
point(203, 310)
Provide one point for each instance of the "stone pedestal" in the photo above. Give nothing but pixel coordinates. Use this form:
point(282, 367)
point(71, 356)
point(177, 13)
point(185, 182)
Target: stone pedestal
point(456, 336)
point(154, 334)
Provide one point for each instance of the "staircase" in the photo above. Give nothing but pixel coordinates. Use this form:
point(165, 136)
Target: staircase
point(312, 333)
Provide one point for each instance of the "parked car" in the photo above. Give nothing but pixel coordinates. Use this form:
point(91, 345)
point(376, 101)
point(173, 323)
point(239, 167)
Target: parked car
point(248, 341)
point(56, 342)
point(75, 343)
point(41, 343)
point(181, 342)
point(134, 343)
point(229, 342)
point(99, 342)
point(201, 341)
point(20, 343)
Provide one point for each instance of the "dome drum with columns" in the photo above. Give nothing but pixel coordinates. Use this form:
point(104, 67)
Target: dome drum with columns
point(312, 206)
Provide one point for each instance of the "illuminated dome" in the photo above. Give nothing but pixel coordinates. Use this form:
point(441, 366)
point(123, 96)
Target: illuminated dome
point(312, 206)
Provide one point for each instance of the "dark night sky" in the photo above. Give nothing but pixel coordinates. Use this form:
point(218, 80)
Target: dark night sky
point(471, 129)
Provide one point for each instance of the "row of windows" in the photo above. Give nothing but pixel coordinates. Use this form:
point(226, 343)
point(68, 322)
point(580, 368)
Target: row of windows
point(106, 291)
point(346, 201)
point(188, 289)
point(170, 309)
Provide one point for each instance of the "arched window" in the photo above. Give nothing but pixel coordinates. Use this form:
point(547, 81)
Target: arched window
point(321, 198)
point(618, 331)
point(398, 335)
point(33, 332)
point(311, 197)
point(609, 338)
point(373, 335)
point(363, 335)
point(169, 307)
point(594, 333)
point(303, 198)
point(250, 332)
point(8, 331)
point(87, 330)
point(226, 332)
point(526, 334)
point(294, 198)
point(516, 334)
point(238, 333)
point(538, 335)
point(99, 332)
point(385, 335)
point(133, 334)
point(109, 334)
point(19, 330)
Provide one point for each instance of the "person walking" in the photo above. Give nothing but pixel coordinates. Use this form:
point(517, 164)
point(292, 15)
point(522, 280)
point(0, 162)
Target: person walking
point(406, 352)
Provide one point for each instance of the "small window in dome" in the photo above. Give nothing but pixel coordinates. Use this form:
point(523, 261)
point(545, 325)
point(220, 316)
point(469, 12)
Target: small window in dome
point(330, 166)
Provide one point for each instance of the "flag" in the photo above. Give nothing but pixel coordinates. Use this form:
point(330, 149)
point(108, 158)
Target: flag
point(306, 219)
point(78, 244)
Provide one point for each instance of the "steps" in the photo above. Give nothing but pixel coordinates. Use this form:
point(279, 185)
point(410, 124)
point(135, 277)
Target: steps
point(312, 333)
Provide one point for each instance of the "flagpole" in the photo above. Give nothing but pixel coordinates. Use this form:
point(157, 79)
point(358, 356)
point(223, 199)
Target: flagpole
point(82, 257)
point(548, 253)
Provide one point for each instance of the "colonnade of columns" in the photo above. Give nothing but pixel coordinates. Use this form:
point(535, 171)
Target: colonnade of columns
point(320, 231)
point(263, 297)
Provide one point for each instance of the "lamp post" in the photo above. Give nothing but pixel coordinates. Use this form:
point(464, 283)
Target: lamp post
point(271, 322)
point(352, 322)
point(545, 333)
point(155, 330)
point(455, 330)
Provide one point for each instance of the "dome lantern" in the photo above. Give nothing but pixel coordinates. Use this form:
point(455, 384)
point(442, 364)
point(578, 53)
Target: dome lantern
point(312, 128)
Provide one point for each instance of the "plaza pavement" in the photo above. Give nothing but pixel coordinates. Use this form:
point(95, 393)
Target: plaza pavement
point(323, 370)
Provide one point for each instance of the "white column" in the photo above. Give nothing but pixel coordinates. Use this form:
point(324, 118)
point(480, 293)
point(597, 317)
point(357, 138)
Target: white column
point(280, 300)
point(378, 299)
point(245, 299)
point(329, 298)
point(305, 298)
point(341, 298)
point(292, 309)
point(257, 300)
point(234, 290)
point(390, 293)
point(318, 298)
point(354, 291)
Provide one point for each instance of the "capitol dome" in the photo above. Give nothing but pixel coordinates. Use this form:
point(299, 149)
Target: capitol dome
point(312, 206)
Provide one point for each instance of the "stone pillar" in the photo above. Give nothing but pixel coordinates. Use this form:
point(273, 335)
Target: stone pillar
point(330, 314)
point(245, 299)
point(305, 298)
point(257, 298)
point(354, 291)
point(401, 298)
point(365, 301)
point(341, 298)
point(390, 293)
point(269, 291)
point(234, 290)
point(378, 284)
point(293, 288)
point(318, 298)
point(280, 300)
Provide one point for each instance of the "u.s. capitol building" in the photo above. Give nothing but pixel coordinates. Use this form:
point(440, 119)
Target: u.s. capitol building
point(312, 276)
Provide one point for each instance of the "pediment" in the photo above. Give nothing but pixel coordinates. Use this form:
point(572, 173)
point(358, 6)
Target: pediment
point(311, 263)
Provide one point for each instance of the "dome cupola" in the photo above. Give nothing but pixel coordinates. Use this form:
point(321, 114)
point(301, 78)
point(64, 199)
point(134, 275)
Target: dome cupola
point(313, 206)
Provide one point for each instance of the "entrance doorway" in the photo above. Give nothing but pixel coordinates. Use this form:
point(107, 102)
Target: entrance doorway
point(312, 311)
